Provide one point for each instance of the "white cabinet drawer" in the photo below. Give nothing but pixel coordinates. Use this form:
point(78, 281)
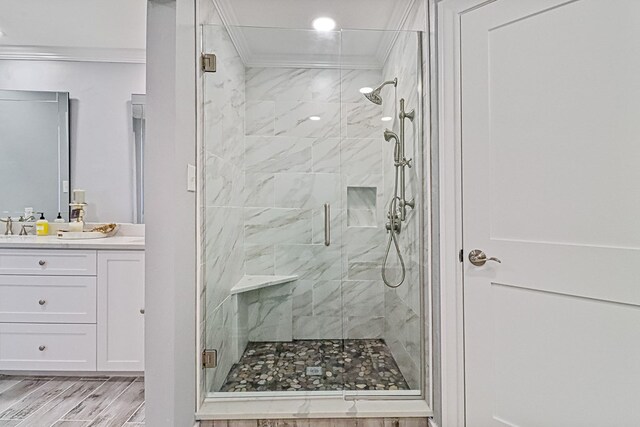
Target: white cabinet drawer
point(48, 299)
point(49, 263)
point(43, 347)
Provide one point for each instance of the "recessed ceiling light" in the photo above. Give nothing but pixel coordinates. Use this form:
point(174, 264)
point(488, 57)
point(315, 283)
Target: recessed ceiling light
point(386, 119)
point(314, 118)
point(366, 89)
point(324, 24)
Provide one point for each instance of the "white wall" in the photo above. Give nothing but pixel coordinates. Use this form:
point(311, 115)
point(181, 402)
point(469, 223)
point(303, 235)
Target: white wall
point(171, 263)
point(100, 124)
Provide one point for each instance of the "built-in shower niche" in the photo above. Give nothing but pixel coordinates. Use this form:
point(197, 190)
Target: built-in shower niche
point(361, 206)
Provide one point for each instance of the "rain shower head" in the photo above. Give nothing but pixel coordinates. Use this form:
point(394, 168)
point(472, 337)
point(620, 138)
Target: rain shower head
point(374, 95)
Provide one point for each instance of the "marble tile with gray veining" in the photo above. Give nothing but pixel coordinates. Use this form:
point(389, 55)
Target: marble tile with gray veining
point(270, 317)
point(294, 119)
point(309, 262)
point(303, 298)
point(311, 191)
point(362, 218)
point(326, 155)
point(363, 298)
point(224, 248)
point(317, 327)
point(364, 121)
point(224, 182)
point(278, 84)
point(260, 118)
point(259, 259)
point(327, 298)
point(277, 154)
point(364, 327)
point(361, 197)
point(293, 84)
point(362, 156)
point(259, 190)
point(277, 226)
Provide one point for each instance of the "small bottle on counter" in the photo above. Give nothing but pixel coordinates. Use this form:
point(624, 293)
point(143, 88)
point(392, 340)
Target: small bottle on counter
point(42, 226)
point(59, 218)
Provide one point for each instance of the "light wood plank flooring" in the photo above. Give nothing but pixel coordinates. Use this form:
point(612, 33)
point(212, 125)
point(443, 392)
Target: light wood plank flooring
point(71, 402)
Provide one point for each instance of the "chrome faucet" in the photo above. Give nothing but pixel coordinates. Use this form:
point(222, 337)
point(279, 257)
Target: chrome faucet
point(23, 229)
point(8, 231)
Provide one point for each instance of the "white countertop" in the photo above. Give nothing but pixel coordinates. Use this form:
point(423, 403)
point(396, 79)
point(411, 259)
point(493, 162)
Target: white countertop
point(52, 242)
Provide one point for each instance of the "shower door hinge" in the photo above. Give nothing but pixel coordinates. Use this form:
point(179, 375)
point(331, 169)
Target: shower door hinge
point(209, 359)
point(208, 62)
point(461, 255)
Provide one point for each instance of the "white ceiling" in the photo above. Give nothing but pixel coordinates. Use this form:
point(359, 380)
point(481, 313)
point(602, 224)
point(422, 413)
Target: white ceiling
point(106, 27)
point(256, 28)
point(348, 14)
point(116, 30)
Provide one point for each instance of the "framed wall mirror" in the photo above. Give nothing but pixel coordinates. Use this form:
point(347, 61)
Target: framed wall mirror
point(34, 159)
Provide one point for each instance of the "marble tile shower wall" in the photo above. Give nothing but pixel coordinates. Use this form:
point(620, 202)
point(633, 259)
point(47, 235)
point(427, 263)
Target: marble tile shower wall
point(223, 132)
point(402, 305)
point(293, 165)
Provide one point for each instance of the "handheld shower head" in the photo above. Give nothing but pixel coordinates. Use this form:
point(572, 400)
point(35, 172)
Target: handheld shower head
point(374, 95)
point(389, 135)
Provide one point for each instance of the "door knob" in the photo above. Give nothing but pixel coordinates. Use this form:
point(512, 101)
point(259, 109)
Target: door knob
point(478, 258)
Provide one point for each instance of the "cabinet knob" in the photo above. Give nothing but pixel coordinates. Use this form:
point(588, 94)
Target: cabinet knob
point(42, 262)
point(142, 311)
point(42, 348)
point(42, 302)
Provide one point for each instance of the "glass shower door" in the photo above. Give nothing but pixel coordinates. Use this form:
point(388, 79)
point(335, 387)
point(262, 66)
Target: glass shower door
point(272, 216)
point(299, 179)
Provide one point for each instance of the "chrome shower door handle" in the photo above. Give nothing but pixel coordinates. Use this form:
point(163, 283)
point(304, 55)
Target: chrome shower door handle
point(479, 258)
point(327, 224)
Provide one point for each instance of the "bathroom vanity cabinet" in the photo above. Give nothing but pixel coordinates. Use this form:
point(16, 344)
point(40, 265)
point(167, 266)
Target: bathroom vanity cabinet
point(71, 310)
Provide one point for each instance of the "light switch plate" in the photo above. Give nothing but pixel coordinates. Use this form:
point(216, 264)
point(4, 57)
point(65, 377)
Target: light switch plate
point(65, 186)
point(191, 178)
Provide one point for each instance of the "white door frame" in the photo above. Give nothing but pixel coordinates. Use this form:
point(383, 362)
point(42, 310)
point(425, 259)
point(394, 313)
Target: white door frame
point(450, 208)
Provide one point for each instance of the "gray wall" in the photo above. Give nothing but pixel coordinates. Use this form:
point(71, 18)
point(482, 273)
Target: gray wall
point(171, 215)
point(101, 135)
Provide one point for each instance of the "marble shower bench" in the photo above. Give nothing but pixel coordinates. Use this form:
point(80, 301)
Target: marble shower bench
point(252, 283)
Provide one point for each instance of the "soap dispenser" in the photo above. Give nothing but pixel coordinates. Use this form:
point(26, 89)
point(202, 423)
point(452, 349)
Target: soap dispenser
point(42, 226)
point(59, 219)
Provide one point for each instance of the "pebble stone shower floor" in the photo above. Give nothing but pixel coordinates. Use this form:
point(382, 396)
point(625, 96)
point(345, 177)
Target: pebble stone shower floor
point(345, 365)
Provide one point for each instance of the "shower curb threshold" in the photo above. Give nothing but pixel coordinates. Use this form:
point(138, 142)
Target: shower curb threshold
point(311, 407)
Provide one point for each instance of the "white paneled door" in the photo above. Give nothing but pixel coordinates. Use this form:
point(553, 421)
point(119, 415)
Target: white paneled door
point(550, 120)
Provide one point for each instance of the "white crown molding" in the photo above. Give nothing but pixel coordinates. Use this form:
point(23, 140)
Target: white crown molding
point(400, 17)
point(397, 21)
point(80, 54)
point(273, 61)
point(230, 21)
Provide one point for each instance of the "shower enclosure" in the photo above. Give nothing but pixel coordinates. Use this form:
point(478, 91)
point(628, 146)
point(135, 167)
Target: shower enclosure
point(312, 254)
